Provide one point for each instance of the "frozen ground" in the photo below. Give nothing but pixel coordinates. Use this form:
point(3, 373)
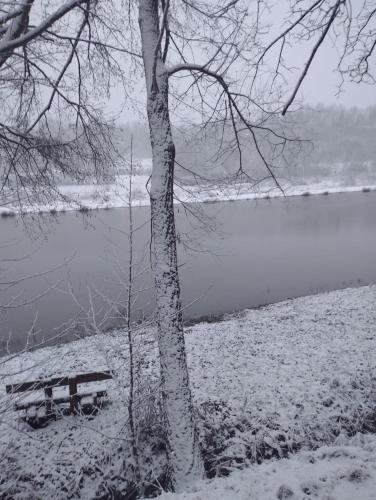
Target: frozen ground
point(115, 195)
point(293, 382)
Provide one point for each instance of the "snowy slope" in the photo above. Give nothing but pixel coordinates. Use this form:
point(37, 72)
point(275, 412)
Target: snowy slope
point(286, 380)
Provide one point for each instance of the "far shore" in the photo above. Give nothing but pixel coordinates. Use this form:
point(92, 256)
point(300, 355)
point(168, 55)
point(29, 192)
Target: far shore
point(86, 197)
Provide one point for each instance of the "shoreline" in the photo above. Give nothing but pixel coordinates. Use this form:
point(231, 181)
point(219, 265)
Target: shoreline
point(86, 198)
point(211, 321)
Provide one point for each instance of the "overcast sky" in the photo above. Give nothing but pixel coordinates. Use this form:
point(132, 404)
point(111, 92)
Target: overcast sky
point(321, 84)
point(319, 87)
point(322, 80)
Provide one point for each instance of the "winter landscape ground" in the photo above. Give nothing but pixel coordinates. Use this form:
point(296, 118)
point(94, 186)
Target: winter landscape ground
point(285, 396)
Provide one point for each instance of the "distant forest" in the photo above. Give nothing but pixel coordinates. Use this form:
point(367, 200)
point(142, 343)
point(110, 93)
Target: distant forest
point(338, 143)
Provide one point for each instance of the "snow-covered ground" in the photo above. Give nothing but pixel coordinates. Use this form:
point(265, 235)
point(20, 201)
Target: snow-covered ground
point(293, 382)
point(116, 195)
point(346, 472)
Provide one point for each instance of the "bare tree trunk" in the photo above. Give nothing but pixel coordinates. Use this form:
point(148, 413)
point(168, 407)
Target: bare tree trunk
point(132, 364)
point(184, 455)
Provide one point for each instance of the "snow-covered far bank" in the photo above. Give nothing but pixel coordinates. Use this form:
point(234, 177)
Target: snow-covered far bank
point(278, 382)
point(116, 195)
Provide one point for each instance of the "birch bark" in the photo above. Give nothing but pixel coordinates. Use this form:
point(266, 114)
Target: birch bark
point(184, 457)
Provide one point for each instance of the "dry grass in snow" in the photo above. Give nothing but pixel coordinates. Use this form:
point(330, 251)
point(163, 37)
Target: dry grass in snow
point(329, 473)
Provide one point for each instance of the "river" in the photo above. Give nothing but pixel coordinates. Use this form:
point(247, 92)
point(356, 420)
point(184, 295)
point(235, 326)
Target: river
point(233, 255)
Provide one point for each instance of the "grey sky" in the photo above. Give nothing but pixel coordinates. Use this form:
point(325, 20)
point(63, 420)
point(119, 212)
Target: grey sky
point(319, 87)
point(321, 84)
point(322, 81)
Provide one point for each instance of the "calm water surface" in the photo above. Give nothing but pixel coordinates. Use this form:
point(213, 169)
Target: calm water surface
point(233, 255)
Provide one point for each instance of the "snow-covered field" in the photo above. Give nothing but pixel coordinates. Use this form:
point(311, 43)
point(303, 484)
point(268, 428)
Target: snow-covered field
point(116, 195)
point(287, 393)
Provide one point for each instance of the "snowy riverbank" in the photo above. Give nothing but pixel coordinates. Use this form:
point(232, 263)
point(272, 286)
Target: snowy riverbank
point(116, 195)
point(294, 379)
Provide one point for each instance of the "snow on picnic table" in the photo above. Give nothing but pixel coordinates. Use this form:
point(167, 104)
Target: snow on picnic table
point(303, 369)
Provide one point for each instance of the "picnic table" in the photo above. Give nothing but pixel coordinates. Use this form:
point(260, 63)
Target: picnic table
point(47, 398)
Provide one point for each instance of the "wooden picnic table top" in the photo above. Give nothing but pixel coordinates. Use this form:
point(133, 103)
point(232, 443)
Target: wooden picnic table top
point(80, 378)
point(31, 401)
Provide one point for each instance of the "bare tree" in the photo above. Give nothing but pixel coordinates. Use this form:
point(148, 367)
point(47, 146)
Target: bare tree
point(183, 447)
point(209, 59)
point(133, 371)
point(170, 34)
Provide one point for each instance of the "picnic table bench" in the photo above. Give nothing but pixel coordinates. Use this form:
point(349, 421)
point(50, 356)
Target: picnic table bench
point(38, 410)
